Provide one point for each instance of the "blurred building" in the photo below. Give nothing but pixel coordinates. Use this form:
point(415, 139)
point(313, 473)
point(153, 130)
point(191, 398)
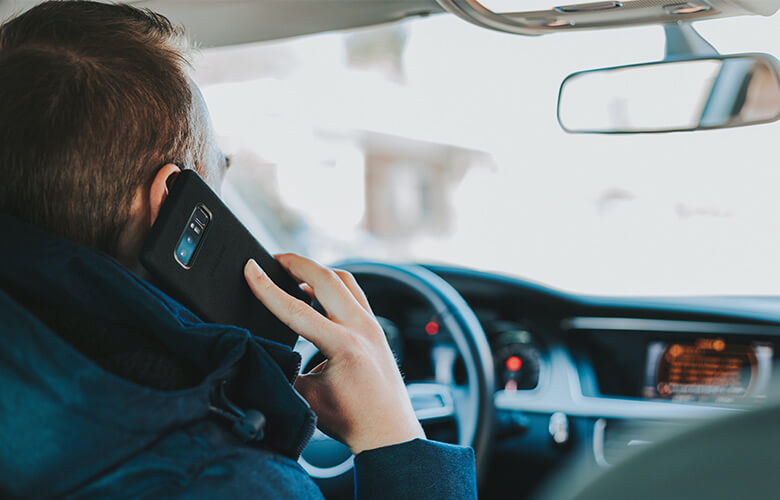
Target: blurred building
point(409, 185)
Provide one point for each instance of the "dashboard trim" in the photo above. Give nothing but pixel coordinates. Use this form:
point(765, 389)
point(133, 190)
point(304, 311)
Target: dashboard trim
point(618, 408)
point(666, 326)
point(563, 393)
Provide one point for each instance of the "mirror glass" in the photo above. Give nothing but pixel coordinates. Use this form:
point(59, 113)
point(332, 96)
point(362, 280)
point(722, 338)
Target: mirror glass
point(723, 91)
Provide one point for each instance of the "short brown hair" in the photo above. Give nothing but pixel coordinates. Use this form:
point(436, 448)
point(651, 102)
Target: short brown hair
point(94, 98)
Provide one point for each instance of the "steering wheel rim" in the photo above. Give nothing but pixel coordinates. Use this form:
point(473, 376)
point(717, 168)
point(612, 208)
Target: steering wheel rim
point(471, 406)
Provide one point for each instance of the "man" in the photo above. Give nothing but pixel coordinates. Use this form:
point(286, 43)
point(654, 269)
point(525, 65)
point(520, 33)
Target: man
point(109, 388)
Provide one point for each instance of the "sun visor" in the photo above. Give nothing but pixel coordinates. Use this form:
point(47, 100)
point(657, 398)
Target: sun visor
point(228, 22)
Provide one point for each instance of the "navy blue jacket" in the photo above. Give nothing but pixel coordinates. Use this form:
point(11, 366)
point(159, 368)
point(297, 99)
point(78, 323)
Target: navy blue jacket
point(70, 427)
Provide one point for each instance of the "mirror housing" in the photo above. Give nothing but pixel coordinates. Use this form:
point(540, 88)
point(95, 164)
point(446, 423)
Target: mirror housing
point(679, 94)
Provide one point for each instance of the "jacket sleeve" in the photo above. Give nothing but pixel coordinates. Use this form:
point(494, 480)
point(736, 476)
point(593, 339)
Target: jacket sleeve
point(416, 469)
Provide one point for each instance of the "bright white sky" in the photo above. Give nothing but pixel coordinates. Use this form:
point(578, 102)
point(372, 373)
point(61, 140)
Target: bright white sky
point(692, 213)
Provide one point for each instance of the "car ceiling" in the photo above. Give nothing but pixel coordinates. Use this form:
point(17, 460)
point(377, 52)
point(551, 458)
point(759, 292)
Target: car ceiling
point(213, 23)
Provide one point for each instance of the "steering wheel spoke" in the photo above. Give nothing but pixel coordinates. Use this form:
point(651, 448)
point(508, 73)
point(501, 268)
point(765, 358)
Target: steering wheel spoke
point(432, 402)
point(463, 400)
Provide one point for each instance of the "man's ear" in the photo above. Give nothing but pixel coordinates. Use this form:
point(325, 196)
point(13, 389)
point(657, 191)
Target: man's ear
point(159, 188)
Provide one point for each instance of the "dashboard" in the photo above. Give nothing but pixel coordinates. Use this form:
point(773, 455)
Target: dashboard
point(599, 376)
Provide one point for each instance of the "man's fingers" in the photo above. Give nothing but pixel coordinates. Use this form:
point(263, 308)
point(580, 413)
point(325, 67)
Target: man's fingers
point(312, 388)
point(307, 388)
point(352, 285)
point(298, 315)
point(319, 367)
point(329, 289)
point(307, 290)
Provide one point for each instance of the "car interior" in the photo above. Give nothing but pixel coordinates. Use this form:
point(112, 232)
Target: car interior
point(647, 375)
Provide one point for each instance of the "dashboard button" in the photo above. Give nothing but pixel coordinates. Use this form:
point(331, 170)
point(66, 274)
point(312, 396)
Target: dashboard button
point(559, 428)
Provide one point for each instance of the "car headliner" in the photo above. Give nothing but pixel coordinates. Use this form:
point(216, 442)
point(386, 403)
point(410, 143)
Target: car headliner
point(214, 23)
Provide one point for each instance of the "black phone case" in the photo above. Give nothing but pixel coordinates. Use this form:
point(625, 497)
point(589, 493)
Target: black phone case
point(213, 285)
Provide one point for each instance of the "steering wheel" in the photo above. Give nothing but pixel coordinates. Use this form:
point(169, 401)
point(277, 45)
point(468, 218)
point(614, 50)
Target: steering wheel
point(470, 406)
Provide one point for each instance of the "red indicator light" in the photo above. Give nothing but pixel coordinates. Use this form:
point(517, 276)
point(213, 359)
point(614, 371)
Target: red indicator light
point(514, 363)
point(432, 328)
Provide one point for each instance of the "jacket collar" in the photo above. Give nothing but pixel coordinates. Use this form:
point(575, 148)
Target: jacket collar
point(59, 410)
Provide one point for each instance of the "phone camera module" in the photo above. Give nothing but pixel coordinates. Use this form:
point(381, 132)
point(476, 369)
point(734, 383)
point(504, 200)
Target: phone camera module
point(192, 235)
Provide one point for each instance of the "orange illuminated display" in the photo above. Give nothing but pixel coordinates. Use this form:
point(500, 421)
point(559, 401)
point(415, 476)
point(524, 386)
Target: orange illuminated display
point(707, 368)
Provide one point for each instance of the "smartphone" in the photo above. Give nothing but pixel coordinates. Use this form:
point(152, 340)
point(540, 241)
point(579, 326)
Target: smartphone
point(196, 251)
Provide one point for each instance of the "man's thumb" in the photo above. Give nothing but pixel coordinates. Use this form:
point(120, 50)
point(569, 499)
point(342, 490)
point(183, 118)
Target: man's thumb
point(307, 386)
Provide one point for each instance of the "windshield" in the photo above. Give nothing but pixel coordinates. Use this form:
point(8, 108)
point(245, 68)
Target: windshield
point(436, 141)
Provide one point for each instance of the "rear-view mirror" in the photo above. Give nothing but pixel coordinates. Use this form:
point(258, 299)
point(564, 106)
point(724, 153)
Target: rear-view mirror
point(669, 96)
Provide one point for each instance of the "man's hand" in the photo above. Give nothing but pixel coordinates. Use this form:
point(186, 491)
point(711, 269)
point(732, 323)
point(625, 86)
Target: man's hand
point(357, 393)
